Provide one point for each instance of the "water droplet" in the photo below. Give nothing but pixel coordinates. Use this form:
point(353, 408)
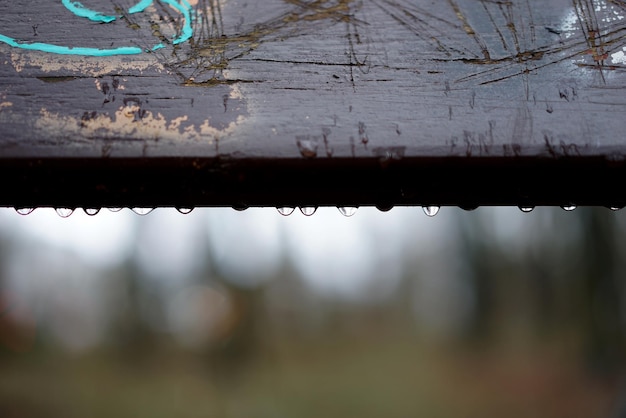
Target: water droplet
point(347, 211)
point(469, 208)
point(569, 208)
point(64, 212)
point(115, 209)
point(285, 210)
point(184, 211)
point(526, 209)
point(24, 211)
point(308, 210)
point(388, 154)
point(616, 208)
point(91, 211)
point(384, 207)
point(431, 210)
point(240, 207)
point(307, 145)
point(142, 211)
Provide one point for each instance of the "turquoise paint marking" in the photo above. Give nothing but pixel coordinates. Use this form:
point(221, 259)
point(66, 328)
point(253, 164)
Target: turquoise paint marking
point(184, 8)
point(68, 50)
point(79, 10)
point(140, 7)
point(187, 31)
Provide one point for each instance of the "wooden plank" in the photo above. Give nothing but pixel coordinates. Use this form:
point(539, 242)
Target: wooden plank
point(291, 102)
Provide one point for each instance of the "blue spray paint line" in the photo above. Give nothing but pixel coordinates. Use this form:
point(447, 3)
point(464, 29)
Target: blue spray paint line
point(81, 11)
point(67, 50)
point(188, 7)
point(187, 31)
point(140, 7)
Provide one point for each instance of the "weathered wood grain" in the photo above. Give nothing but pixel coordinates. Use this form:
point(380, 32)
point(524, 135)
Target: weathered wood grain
point(348, 99)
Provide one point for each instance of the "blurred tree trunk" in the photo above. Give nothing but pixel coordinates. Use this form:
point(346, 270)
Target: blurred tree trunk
point(602, 288)
point(480, 271)
point(18, 325)
point(132, 336)
point(241, 343)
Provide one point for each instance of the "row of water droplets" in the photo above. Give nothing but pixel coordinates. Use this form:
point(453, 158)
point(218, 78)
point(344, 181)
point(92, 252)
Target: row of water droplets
point(346, 211)
point(67, 212)
point(567, 208)
point(430, 211)
point(285, 211)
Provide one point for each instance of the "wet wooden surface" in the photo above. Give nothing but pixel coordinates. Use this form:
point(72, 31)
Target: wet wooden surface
point(279, 102)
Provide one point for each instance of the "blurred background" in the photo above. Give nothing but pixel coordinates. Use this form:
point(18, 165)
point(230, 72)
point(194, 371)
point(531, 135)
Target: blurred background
point(220, 313)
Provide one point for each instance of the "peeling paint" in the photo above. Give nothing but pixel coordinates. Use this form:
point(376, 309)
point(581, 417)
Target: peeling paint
point(84, 66)
point(125, 123)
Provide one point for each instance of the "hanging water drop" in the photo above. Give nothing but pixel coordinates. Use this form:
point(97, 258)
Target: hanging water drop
point(347, 211)
point(91, 211)
point(24, 211)
point(285, 210)
point(142, 211)
point(64, 212)
point(431, 210)
point(469, 208)
point(184, 211)
point(526, 209)
point(616, 208)
point(240, 207)
point(307, 145)
point(384, 207)
point(569, 208)
point(115, 209)
point(308, 210)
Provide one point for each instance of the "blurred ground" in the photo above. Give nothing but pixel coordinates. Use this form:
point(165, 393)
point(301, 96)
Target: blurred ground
point(365, 377)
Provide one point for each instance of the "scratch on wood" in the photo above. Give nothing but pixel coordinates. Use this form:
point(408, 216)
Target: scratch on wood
point(470, 30)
